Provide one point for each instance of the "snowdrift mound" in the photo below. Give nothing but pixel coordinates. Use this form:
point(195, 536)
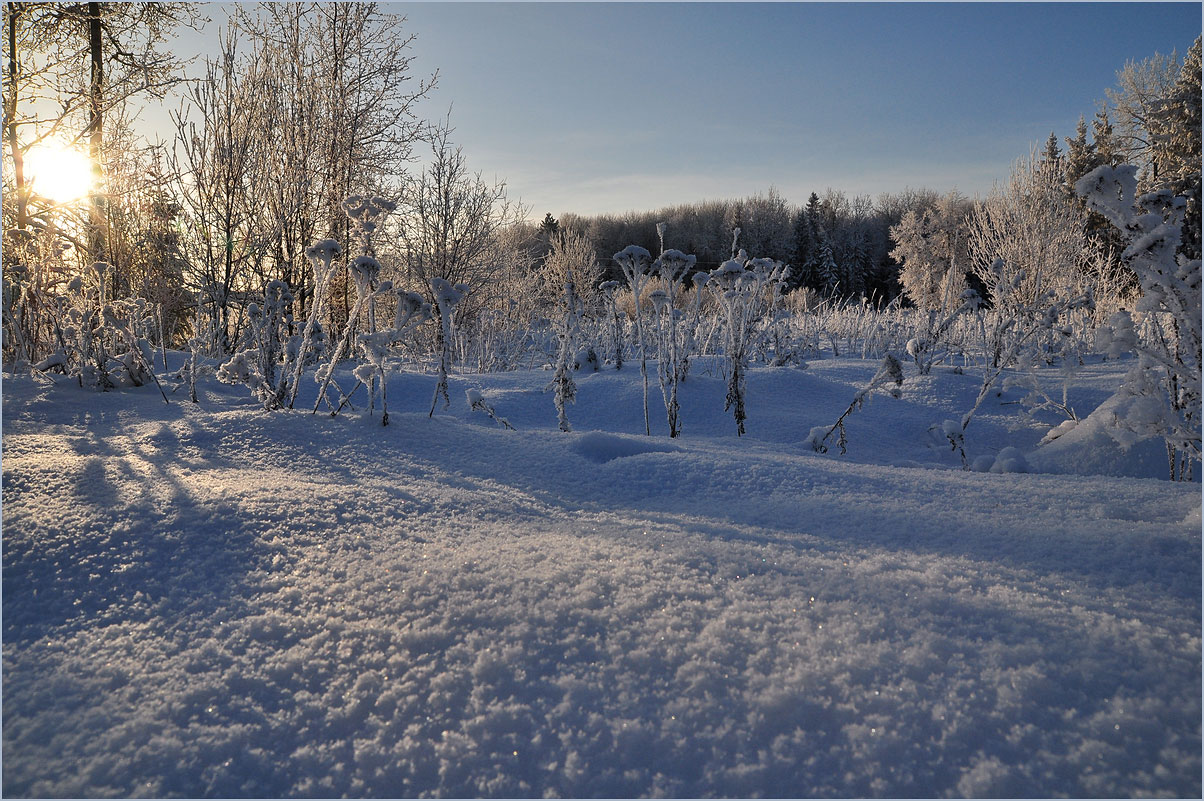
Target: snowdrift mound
point(1091, 449)
point(600, 447)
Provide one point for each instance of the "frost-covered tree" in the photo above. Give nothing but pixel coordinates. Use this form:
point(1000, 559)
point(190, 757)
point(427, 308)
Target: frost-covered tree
point(215, 164)
point(1162, 393)
point(1175, 130)
point(338, 85)
point(932, 246)
point(1036, 231)
point(450, 219)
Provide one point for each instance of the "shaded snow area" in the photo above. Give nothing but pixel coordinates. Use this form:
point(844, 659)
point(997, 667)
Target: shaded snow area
point(214, 600)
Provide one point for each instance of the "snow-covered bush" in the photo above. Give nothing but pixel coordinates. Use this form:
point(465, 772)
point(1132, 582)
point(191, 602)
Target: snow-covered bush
point(888, 377)
point(926, 347)
point(564, 389)
point(1161, 395)
point(259, 364)
point(1024, 329)
point(610, 290)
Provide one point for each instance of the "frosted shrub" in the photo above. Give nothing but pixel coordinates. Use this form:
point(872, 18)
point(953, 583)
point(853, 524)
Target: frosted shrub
point(776, 342)
point(634, 261)
point(102, 345)
point(739, 292)
point(1161, 395)
point(563, 387)
point(258, 365)
point(1044, 314)
point(926, 348)
point(889, 377)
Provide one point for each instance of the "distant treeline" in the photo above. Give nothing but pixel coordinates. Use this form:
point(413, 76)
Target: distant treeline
point(835, 244)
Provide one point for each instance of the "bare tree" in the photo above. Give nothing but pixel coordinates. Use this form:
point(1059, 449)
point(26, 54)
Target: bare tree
point(451, 220)
point(336, 81)
point(215, 168)
point(90, 58)
point(1037, 232)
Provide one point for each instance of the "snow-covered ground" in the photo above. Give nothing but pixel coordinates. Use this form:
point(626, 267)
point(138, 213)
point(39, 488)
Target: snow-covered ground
point(214, 600)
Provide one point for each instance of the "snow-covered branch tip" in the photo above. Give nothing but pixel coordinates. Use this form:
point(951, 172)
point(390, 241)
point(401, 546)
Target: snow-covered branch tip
point(889, 378)
point(476, 401)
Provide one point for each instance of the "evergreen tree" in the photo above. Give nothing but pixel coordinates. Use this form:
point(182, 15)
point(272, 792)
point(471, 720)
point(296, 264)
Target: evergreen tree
point(826, 268)
point(1051, 152)
point(549, 227)
point(804, 250)
point(1104, 139)
point(1175, 132)
point(811, 266)
point(1081, 157)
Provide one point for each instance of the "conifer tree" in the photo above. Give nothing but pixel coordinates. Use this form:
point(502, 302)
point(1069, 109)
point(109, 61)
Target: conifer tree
point(1081, 157)
point(1051, 152)
point(1104, 139)
point(804, 251)
point(1175, 134)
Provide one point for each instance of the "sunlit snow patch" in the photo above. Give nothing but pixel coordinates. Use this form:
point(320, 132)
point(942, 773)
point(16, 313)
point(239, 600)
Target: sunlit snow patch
point(600, 447)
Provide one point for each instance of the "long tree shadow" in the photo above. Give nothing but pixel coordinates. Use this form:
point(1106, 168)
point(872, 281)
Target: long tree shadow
point(119, 538)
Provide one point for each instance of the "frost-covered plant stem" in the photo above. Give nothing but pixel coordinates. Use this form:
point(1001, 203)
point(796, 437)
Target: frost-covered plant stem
point(446, 297)
point(671, 266)
point(322, 255)
point(476, 402)
point(563, 386)
point(634, 260)
point(739, 292)
point(889, 372)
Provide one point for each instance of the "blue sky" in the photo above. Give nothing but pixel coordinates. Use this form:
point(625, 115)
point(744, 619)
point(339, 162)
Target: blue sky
point(605, 107)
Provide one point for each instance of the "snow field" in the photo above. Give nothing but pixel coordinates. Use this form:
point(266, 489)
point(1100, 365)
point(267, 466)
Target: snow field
point(217, 600)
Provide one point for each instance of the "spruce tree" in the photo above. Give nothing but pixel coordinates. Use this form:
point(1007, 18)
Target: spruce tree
point(1175, 130)
point(1081, 157)
point(825, 266)
point(804, 250)
point(1104, 139)
point(1051, 152)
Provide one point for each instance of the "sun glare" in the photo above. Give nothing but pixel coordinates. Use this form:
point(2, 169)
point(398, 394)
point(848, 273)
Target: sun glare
point(59, 172)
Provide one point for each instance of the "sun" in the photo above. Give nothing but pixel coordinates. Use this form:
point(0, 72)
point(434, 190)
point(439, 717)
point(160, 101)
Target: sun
point(59, 172)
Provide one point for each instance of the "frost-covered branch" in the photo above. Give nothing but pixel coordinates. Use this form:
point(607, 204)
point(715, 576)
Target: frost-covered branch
point(889, 372)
